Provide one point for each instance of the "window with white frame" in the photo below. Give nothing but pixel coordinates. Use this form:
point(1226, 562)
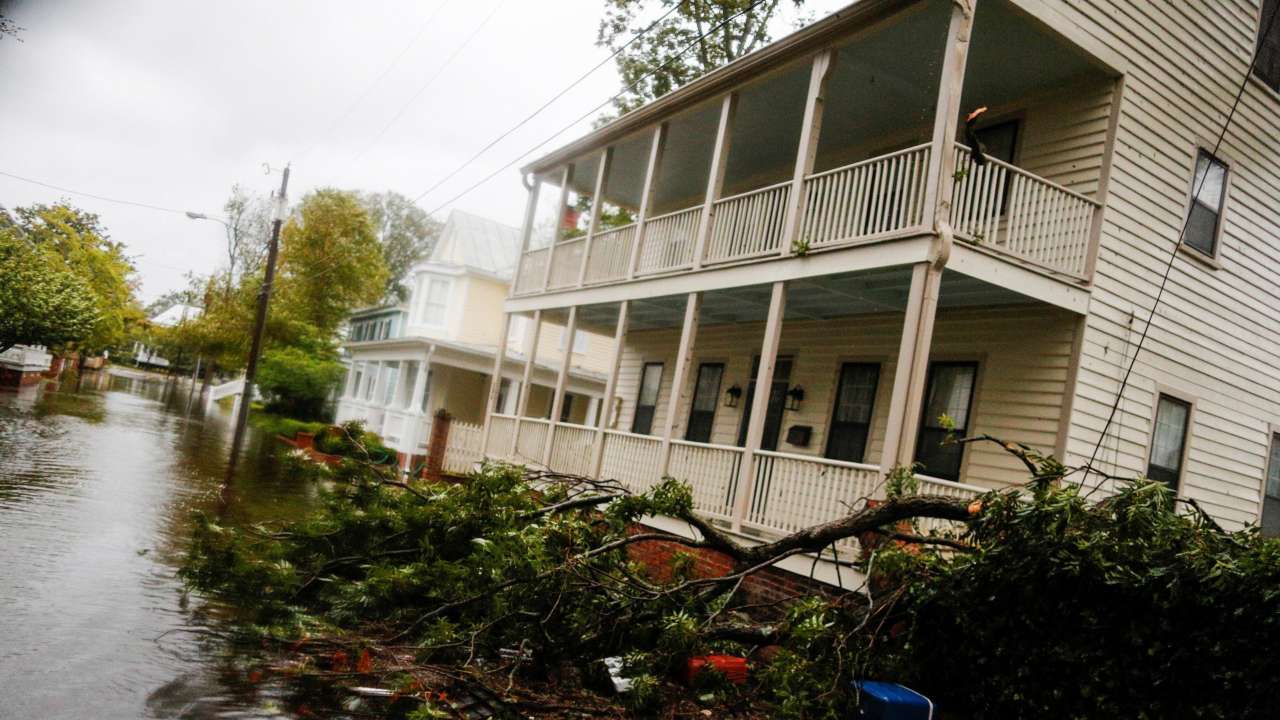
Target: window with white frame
point(1169, 440)
point(1208, 196)
point(433, 306)
point(1267, 66)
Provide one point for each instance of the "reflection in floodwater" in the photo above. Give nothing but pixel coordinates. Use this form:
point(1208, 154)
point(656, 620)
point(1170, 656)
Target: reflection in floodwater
point(99, 477)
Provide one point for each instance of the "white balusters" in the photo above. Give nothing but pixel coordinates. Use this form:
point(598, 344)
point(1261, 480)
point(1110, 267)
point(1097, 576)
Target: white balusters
point(748, 225)
point(873, 197)
point(610, 253)
point(668, 241)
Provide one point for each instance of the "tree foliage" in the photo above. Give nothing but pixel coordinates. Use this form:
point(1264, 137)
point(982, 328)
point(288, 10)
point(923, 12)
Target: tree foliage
point(330, 260)
point(41, 301)
point(653, 66)
point(407, 234)
point(77, 241)
point(297, 382)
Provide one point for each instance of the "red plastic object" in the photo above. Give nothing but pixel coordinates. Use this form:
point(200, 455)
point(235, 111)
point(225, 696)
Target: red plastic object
point(733, 668)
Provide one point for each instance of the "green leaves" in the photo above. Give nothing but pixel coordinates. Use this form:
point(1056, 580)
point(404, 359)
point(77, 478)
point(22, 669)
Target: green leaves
point(42, 302)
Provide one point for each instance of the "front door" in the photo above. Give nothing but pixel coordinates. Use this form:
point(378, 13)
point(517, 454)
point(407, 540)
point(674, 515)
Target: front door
point(777, 401)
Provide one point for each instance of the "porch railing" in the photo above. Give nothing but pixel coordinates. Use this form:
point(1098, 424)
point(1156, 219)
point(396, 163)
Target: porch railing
point(533, 268)
point(571, 448)
point(631, 459)
point(712, 473)
point(463, 450)
point(668, 241)
point(610, 254)
point(566, 264)
point(748, 225)
point(796, 491)
point(1014, 212)
point(502, 430)
point(532, 440)
point(865, 199)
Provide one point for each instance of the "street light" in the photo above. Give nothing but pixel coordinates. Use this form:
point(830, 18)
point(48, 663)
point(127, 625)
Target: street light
point(191, 214)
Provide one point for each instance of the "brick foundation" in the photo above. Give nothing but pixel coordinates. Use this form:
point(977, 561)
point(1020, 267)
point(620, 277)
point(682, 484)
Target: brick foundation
point(11, 379)
point(770, 585)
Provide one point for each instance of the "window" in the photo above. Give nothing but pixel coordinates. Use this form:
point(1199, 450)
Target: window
point(851, 416)
point(504, 395)
point(774, 408)
point(408, 384)
point(566, 407)
point(1208, 191)
point(426, 393)
point(435, 300)
point(1169, 440)
point(354, 390)
point(370, 376)
point(1267, 67)
point(647, 401)
point(390, 373)
point(949, 392)
point(706, 394)
point(1271, 490)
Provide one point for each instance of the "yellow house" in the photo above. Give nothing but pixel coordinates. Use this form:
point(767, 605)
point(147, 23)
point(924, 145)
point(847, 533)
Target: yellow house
point(919, 208)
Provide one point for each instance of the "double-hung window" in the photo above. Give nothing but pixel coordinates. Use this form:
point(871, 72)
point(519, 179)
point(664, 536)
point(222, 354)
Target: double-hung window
point(1267, 67)
point(1208, 195)
point(1271, 490)
point(647, 400)
point(706, 393)
point(435, 300)
point(1169, 440)
point(851, 416)
point(949, 393)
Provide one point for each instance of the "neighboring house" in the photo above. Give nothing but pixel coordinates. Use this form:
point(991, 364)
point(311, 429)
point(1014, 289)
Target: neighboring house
point(23, 365)
point(144, 354)
point(808, 267)
point(437, 349)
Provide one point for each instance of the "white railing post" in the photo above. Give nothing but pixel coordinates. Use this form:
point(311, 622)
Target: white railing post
point(646, 195)
point(562, 378)
point(688, 335)
point(823, 63)
point(759, 403)
point(610, 387)
point(495, 381)
point(565, 177)
point(715, 183)
point(597, 204)
point(526, 378)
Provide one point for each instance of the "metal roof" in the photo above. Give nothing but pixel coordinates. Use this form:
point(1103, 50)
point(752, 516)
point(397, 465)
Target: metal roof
point(478, 243)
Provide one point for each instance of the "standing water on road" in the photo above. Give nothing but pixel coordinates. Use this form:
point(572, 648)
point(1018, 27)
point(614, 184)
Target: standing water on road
point(97, 488)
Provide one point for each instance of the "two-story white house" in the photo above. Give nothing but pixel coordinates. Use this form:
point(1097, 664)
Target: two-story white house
point(806, 264)
point(437, 349)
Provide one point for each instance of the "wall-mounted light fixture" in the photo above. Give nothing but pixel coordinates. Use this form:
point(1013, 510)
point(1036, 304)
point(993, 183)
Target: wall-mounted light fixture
point(794, 397)
point(732, 395)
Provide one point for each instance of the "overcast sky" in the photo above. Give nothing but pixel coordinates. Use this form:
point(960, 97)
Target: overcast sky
point(171, 102)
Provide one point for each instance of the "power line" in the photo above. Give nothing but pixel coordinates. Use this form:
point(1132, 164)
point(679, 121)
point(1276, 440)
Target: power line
point(103, 198)
point(1168, 268)
point(431, 80)
point(338, 120)
point(549, 102)
point(597, 108)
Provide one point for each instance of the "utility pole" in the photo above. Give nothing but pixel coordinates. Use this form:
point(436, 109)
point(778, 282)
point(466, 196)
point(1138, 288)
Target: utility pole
point(259, 326)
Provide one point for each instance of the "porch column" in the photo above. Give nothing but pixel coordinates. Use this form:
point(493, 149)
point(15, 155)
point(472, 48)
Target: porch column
point(946, 116)
point(597, 202)
point(526, 379)
point(420, 383)
point(610, 388)
point(912, 369)
point(688, 334)
point(526, 232)
point(557, 400)
point(823, 63)
point(565, 177)
point(646, 194)
point(715, 183)
point(495, 381)
point(759, 404)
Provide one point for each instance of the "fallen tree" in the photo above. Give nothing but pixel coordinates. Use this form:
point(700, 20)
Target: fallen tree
point(1046, 605)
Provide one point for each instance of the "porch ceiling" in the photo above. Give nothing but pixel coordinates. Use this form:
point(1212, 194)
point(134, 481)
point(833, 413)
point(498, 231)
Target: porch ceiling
point(818, 298)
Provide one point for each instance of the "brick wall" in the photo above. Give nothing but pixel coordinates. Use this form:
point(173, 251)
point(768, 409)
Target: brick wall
point(770, 585)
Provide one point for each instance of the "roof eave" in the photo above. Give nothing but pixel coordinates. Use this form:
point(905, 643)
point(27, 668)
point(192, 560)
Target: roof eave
point(808, 39)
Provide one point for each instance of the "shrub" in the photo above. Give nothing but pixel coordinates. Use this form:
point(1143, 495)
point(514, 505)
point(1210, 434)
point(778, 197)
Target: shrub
point(351, 440)
point(297, 383)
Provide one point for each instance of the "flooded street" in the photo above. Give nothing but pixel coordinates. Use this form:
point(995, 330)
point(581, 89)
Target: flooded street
point(97, 487)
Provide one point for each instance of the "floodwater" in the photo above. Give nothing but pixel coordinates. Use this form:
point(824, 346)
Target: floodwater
point(97, 487)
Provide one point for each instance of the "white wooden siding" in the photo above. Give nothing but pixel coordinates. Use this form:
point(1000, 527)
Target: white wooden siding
point(1216, 335)
point(1023, 356)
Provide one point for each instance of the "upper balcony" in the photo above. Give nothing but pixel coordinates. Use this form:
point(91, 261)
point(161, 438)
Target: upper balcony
point(845, 137)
